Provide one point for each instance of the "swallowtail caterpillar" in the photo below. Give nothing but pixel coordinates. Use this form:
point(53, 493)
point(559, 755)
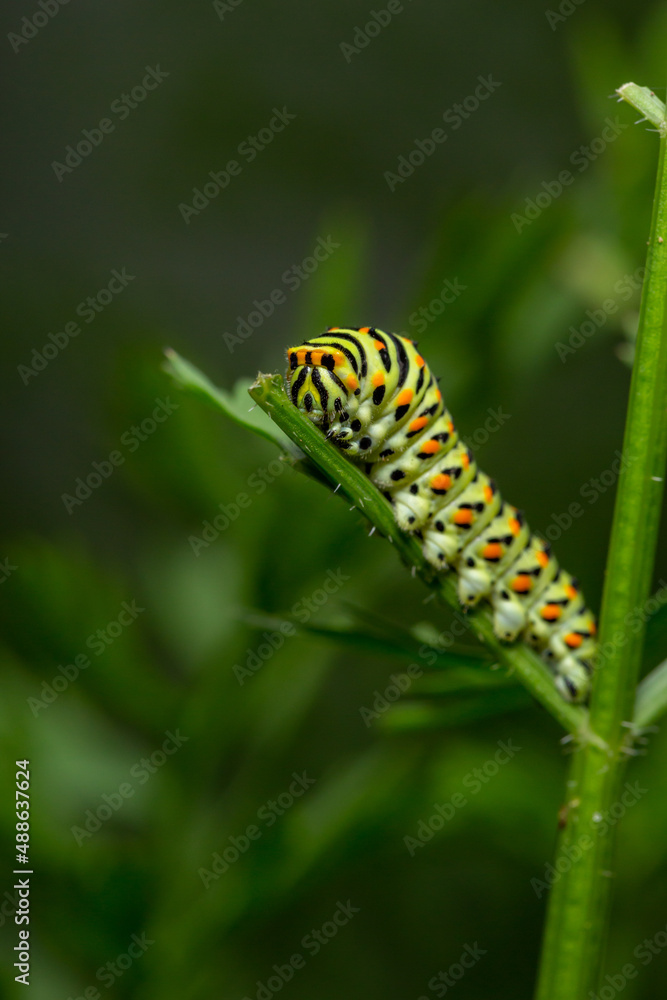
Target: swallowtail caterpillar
point(374, 397)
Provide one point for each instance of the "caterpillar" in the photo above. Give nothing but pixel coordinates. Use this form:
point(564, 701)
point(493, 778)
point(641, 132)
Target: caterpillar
point(373, 395)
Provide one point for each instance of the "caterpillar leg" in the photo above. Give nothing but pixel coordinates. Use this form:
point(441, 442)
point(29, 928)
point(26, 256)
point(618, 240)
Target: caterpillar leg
point(572, 677)
point(571, 652)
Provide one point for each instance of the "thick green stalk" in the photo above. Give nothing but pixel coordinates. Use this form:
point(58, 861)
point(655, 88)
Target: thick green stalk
point(580, 899)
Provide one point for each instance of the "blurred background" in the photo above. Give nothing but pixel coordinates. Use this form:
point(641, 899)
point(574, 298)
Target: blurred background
point(229, 178)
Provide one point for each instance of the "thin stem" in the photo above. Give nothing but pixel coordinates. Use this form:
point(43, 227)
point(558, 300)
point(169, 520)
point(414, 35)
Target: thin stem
point(580, 899)
point(269, 393)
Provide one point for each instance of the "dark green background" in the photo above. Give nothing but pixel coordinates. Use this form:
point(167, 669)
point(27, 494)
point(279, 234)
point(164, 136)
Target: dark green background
point(173, 667)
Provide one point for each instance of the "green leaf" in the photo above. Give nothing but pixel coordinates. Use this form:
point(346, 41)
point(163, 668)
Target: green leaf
point(655, 641)
point(415, 716)
point(233, 404)
point(370, 632)
point(651, 700)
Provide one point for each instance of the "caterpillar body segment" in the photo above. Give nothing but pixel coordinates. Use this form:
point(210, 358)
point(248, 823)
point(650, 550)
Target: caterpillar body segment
point(375, 398)
point(519, 587)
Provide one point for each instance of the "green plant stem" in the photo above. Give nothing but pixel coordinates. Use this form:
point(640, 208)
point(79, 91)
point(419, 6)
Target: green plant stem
point(268, 391)
point(580, 899)
point(646, 102)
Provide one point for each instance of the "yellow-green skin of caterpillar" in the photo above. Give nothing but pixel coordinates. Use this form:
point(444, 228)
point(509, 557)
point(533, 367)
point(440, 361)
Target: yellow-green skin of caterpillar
point(374, 397)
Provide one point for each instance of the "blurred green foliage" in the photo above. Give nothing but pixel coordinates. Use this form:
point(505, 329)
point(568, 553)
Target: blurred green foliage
point(171, 669)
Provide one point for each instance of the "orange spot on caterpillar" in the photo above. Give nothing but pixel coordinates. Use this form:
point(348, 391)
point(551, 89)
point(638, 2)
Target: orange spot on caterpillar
point(465, 460)
point(418, 423)
point(404, 397)
point(419, 361)
point(573, 640)
point(431, 447)
point(377, 378)
point(463, 517)
point(542, 558)
point(551, 612)
point(450, 426)
point(441, 482)
point(438, 395)
point(364, 329)
point(352, 382)
point(301, 357)
point(571, 592)
point(333, 329)
point(593, 628)
point(521, 584)
point(316, 357)
point(379, 345)
point(488, 493)
point(514, 526)
point(493, 550)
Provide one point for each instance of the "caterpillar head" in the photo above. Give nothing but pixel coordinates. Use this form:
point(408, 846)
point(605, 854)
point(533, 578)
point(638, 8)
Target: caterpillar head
point(321, 383)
